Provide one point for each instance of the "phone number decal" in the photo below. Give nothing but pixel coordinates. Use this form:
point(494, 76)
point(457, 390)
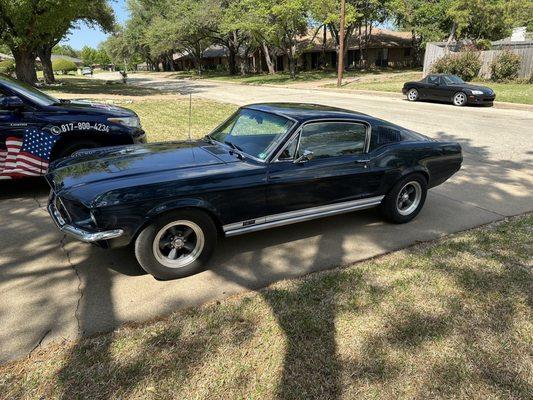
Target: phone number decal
point(80, 126)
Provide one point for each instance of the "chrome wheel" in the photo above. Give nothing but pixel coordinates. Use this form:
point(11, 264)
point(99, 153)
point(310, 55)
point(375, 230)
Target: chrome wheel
point(178, 244)
point(412, 95)
point(459, 99)
point(409, 198)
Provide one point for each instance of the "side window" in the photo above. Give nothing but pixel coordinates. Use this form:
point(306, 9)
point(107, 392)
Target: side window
point(433, 80)
point(333, 139)
point(2, 95)
point(383, 135)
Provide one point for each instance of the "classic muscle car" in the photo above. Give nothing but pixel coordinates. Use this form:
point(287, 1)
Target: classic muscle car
point(36, 128)
point(448, 88)
point(268, 165)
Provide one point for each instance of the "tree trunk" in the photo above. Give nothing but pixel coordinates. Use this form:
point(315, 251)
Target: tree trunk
point(325, 63)
point(25, 65)
point(292, 62)
point(45, 54)
point(269, 62)
point(452, 35)
point(232, 60)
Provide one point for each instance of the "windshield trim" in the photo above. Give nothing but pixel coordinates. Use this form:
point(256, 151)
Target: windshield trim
point(267, 159)
point(18, 88)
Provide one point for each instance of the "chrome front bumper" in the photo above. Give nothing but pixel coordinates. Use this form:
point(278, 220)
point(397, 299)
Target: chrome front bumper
point(79, 233)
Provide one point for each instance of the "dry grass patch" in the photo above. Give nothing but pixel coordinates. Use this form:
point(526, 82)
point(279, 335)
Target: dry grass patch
point(450, 319)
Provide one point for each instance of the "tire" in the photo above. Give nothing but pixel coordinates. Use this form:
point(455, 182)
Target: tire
point(73, 147)
point(398, 209)
point(459, 99)
point(190, 234)
point(413, 95)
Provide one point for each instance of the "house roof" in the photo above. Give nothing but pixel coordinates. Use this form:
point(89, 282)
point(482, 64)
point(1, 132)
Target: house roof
point(378, 38)
point(75, 60)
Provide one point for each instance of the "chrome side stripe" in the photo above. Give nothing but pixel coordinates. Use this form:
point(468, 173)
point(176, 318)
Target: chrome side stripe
point(292, 217)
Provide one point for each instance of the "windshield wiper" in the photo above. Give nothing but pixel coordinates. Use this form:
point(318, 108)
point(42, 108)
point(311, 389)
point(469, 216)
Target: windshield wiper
point(209, 139)
point(236, 149)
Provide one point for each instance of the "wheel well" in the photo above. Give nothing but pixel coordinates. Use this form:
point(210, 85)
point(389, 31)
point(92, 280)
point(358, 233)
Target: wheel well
point(211, 214)
point(425, 174)
point(100, 141)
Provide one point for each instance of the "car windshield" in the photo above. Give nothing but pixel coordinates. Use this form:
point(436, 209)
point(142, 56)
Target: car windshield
point(252, 132)
point(452, 80)
point(29, 92)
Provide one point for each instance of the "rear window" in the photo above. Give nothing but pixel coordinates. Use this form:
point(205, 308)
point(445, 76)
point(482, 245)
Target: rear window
point(384, 135)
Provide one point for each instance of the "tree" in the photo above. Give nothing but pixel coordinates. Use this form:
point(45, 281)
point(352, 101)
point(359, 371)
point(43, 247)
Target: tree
point(89, 56)
point(289, 23)
point(63, 66)
point(65, 50)
point(32, 28)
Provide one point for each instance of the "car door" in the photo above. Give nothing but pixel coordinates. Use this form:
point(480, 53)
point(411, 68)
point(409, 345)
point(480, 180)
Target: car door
point(15, 124)
point(433, 90)
point(338, 172)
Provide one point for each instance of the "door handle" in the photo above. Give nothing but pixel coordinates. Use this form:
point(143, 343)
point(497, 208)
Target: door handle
point(362, 161)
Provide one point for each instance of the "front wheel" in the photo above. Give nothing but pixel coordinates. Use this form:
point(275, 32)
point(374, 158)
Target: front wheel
point(412, 95)
point(405, 200)
point(459, 99)
point(177, 244)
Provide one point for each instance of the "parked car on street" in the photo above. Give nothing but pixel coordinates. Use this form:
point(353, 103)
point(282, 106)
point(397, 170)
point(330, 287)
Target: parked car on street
point(448, 88)
point(87, 71)
point(36, 128)
point(268, 165)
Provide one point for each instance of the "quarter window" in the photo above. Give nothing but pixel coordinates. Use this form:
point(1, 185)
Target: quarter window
point(333, 139)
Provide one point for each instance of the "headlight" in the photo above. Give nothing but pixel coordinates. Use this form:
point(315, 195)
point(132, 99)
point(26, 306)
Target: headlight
point(477, 92)
point(130, 122)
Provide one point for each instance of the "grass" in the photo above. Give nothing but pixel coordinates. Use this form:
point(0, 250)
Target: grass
point(163, 117)
point(95, 87)
point(449, 319)
point(521, 93)
point(165, 120)
point(284, 78)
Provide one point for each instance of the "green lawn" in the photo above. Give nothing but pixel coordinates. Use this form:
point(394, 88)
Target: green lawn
point(163, 117)
point(90, 87)
point(285, 78)
point(449, 319)
point(165, 120)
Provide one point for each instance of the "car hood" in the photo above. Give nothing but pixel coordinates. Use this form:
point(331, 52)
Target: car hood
point(484, 89)
point(140, 163)
point(84, 106)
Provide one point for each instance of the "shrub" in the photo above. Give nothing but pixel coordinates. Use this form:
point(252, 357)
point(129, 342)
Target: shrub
point(483, 44)
point(7, 67)
point(505, 67)
point(63, 66)
point(465, 65)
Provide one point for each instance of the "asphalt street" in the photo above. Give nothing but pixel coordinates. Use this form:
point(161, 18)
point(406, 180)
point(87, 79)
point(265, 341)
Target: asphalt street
point(52, 287)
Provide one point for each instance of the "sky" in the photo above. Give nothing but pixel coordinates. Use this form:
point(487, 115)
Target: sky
point(86, 36)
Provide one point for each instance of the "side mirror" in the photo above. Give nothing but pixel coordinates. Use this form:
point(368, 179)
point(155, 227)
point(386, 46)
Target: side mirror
point(305, 157)
point(11, 103)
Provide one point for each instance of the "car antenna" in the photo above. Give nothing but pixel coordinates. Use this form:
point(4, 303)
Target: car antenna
point(190, 115)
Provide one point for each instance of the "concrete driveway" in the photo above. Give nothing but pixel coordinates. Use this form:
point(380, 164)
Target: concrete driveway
point(52, 287)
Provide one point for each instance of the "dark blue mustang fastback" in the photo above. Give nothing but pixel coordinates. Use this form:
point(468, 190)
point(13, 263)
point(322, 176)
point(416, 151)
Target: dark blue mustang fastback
point(268, 165)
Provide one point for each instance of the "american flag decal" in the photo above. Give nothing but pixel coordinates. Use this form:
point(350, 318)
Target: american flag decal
point(28, 156)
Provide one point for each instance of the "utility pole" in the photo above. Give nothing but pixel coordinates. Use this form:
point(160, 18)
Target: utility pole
point(340, 62)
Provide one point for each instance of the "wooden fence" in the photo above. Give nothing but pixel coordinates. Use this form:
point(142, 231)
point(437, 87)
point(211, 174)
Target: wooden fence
point(435, 51)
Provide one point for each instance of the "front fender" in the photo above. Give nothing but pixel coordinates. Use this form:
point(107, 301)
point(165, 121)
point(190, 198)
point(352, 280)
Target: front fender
point(177, 204)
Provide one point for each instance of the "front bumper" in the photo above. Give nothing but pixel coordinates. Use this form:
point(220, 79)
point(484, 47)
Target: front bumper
point(77, 232)
point(481, 99)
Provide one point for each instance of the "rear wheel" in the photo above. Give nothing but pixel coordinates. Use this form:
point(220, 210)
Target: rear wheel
point(412, 95)
point(177, 244)
point(405, 200)
point(459, 99)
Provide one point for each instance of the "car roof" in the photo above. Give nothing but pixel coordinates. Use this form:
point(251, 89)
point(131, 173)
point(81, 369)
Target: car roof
point(303, 112)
